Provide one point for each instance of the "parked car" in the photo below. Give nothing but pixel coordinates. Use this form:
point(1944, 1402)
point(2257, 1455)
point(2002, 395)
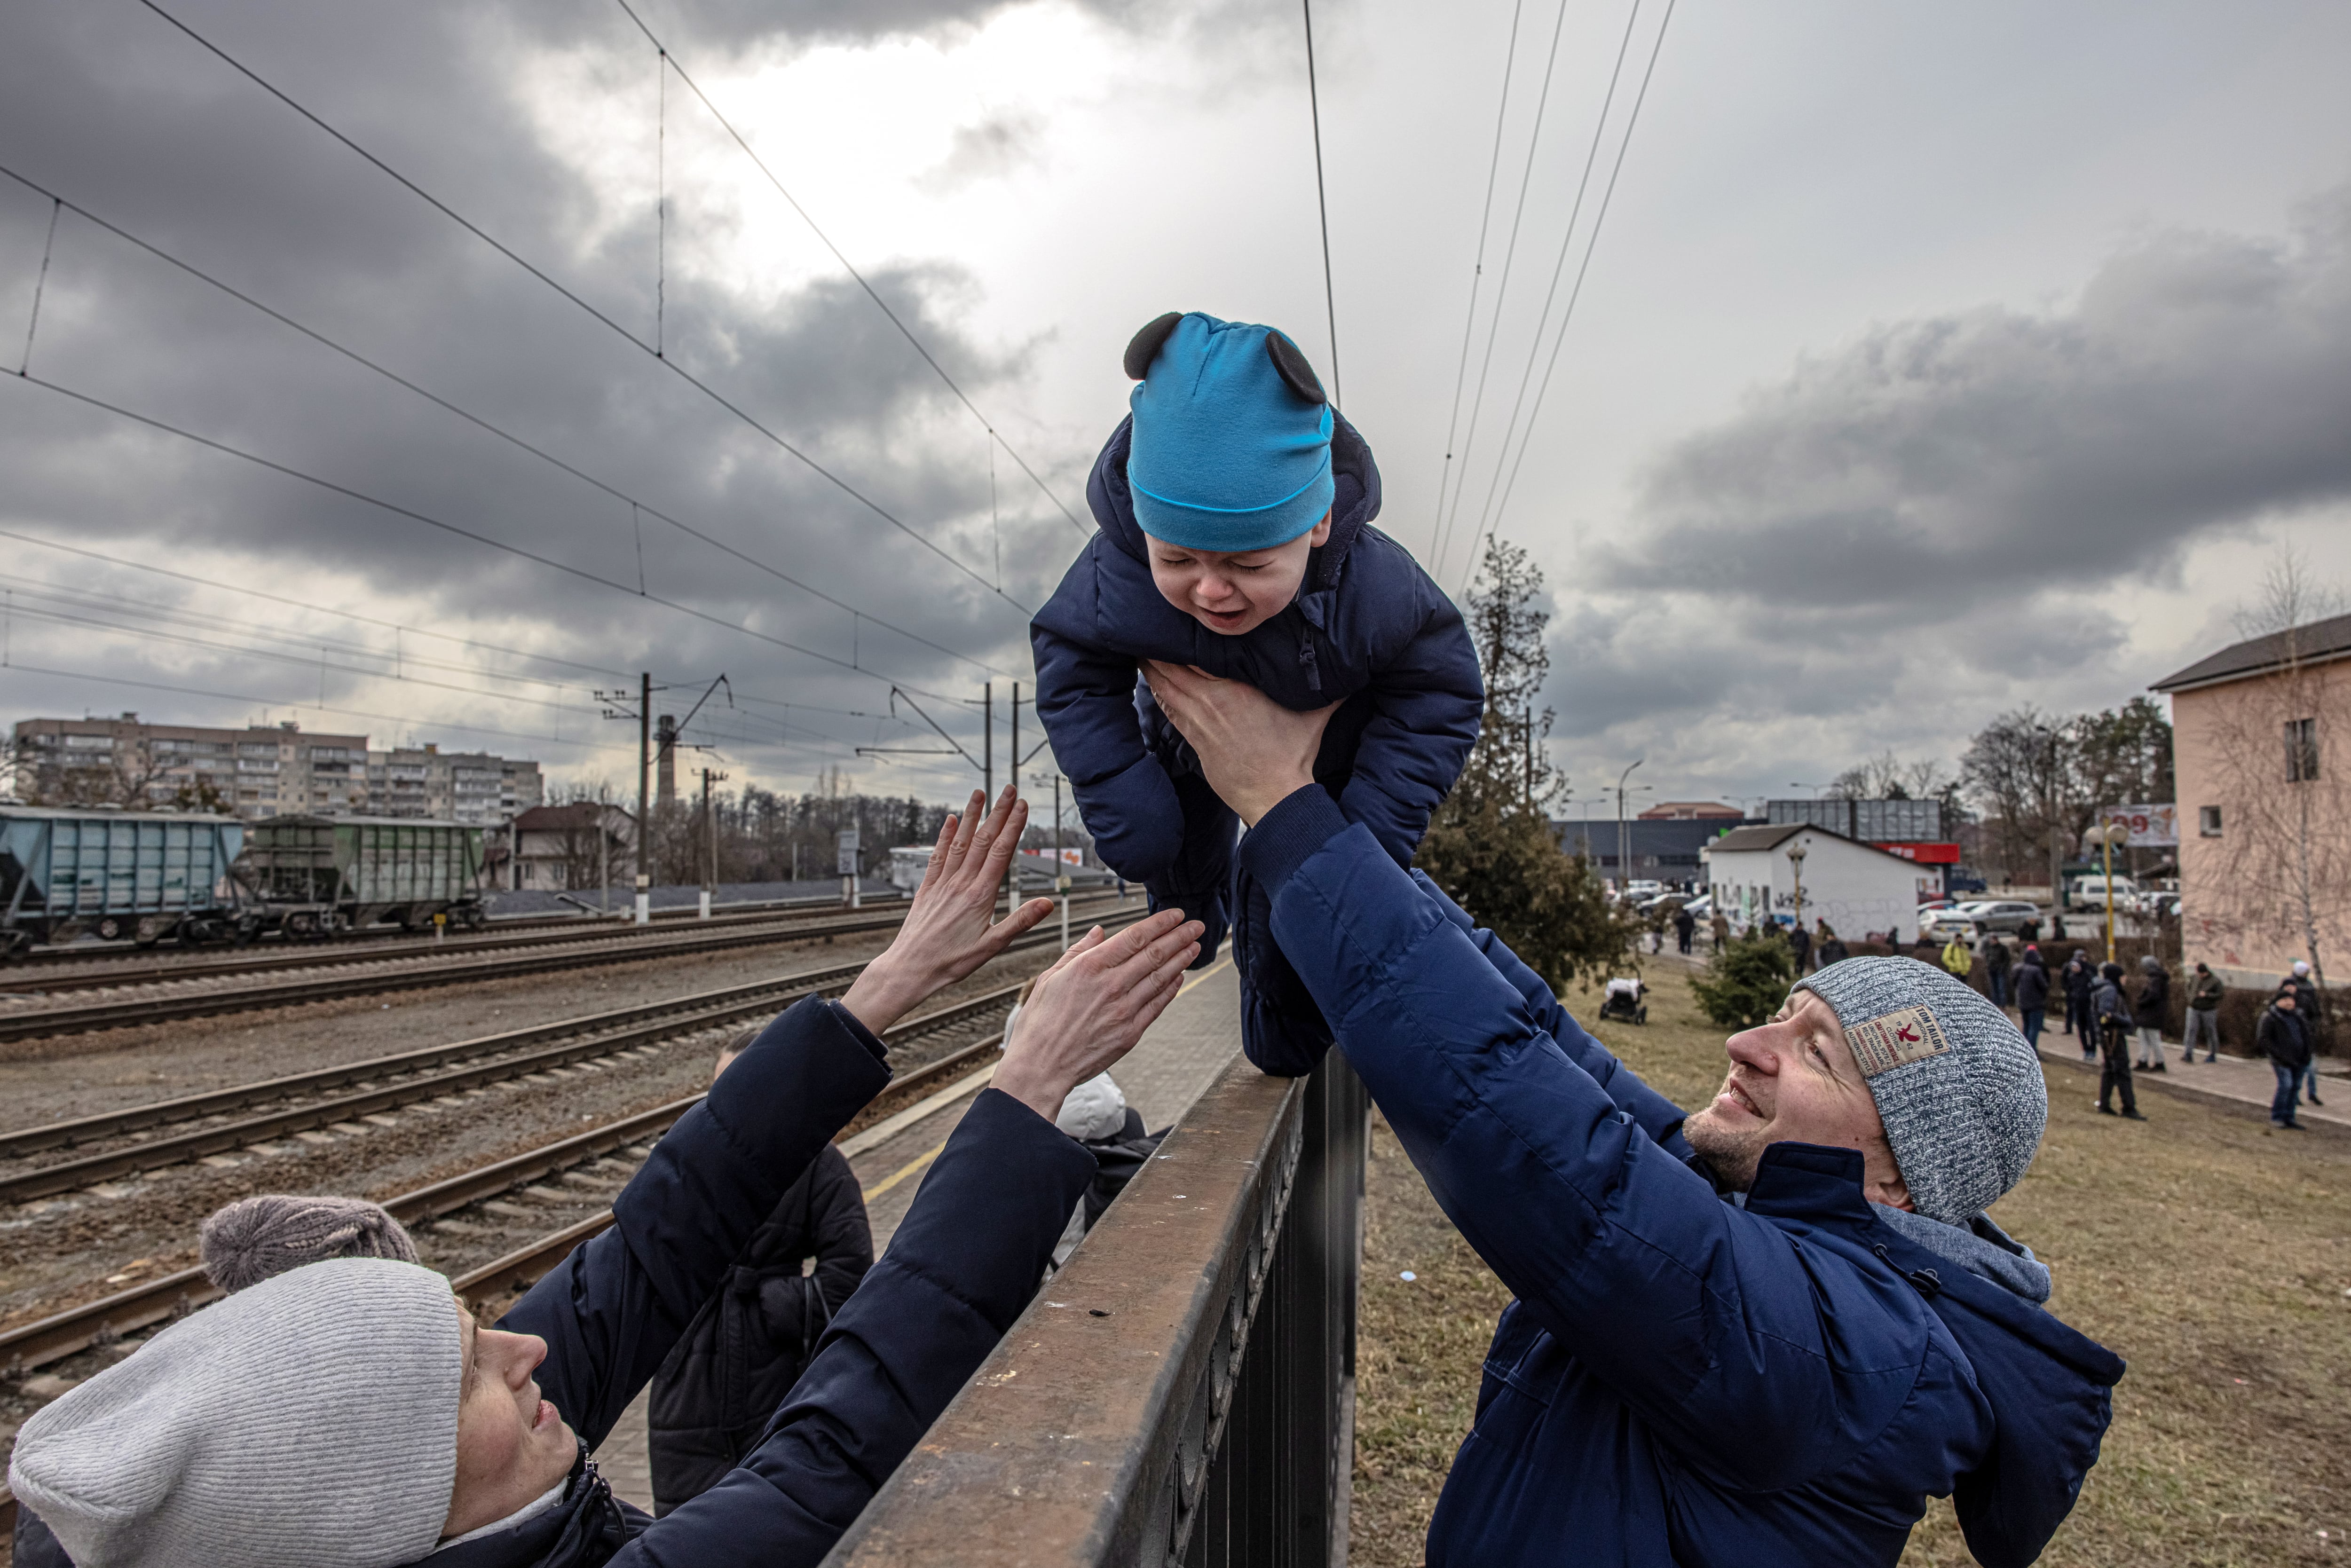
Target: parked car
point(1941, 920)
point(2090, 893)
point(1640, 889)
point(1999, 914)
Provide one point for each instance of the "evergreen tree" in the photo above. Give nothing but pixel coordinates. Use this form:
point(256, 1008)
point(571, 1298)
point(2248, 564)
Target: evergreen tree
point(1491, 845)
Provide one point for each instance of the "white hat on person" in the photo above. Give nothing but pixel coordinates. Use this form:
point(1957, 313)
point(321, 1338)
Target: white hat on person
point(308, 1422)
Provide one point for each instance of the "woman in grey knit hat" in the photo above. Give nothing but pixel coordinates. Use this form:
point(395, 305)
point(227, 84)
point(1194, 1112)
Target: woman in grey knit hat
point(352, 1414)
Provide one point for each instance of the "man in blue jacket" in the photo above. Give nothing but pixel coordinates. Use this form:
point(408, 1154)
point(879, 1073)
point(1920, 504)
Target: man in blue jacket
point(350, 1413)
point(1763, 1335)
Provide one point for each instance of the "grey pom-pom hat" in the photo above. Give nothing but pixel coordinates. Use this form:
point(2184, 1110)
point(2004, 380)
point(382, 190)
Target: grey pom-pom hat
point(1959, 1091)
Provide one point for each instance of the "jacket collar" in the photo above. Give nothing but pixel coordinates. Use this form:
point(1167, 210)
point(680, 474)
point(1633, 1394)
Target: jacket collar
point(1810, 1182)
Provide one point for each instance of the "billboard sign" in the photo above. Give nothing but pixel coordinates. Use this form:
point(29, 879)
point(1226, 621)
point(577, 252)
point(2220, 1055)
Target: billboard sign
point(2150, 827)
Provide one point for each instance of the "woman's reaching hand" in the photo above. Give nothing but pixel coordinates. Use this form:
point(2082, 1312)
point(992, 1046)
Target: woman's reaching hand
point(1090, 1009)
point(948, 934)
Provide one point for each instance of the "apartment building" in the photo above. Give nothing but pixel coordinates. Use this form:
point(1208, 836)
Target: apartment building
point(265, 770)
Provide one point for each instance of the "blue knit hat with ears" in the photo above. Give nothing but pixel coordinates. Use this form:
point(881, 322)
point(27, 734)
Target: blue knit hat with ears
point(1231, 448)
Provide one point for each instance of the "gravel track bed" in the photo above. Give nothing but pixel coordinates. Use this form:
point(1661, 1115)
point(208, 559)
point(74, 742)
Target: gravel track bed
point(344, 963)
point(82, 1245)
point(66, 1076)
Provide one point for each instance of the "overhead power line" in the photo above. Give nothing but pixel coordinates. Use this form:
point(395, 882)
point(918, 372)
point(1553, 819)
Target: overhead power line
point(650, 350)
point(480, 423)
point(1560, 339)
point(289, 471)
point(1502, 288)
point(670, 58)
point(1321, 202)
point(1550, 293)
point(1477, 277)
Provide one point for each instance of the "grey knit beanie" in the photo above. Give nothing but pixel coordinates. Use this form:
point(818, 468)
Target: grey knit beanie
point(1959, 1091)
point(309, 1422)
point(258, 1237)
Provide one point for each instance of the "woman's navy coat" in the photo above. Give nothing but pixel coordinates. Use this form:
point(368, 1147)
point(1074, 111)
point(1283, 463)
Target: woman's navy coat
point(963, 1265)
point(1682, 1380)
point(1367, 626)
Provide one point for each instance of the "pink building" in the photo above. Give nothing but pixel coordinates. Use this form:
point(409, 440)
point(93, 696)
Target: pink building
point(2262, 746)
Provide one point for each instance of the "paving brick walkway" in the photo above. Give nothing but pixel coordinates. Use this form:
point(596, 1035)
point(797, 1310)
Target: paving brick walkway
point(1162, 1076)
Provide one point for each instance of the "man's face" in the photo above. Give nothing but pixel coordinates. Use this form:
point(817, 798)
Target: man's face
point(512, 1445)
point(1793, 1080)
point(1233, 591)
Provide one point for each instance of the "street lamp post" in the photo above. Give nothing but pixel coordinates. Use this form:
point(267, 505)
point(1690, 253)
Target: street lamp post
point(1624, 860)
point(1796, 863)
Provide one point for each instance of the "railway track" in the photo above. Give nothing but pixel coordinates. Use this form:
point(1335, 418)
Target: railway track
point(370, 975)
point(89, 973)
point(585, 1162)
point(383, 1084)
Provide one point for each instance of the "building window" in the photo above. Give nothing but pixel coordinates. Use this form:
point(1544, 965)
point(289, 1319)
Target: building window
point(2208, 821)
point(2301, 750)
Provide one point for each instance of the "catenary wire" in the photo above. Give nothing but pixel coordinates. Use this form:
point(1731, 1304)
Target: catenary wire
point(1477, 276)
point(1321, 202)
point(1558, 268)
point(1502, 288)
point(700, 385)
point(1566, 316)
point(477, 420)
point(153, 423)
point(728, 125)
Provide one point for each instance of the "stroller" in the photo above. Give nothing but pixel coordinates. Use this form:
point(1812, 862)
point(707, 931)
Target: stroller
point(1625, 998)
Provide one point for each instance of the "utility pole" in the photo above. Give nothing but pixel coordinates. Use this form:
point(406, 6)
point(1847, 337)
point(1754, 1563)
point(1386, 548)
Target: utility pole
point(710, 835)
point(1012, 870)
point(986, 745)
point(615, 706)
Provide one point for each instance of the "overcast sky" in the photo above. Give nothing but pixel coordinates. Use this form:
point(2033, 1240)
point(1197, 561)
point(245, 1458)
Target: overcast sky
point(1930, 361)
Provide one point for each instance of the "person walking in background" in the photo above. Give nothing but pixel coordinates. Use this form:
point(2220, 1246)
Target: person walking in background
point(2079, 980)
point(2307, 1007)
point(2203, 1015)
point(2032, 995)
point(1832, 949)
point(1956, 959)
point(1801, 941)
point(2030, 932)
point(2284, 1039)
point(1996, 963)
point(2112, 1011)
point(2147, 1009)
point(1721, 925)
point(713, 1397)
point(1685, 928)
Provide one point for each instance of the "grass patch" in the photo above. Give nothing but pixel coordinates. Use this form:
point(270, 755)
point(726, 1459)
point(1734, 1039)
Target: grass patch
point(2209, 1251)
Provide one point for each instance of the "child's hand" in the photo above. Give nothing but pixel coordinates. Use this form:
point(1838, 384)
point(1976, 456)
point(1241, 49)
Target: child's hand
point(1255, 752)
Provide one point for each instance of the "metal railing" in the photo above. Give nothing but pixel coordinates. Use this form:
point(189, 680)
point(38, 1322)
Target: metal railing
point(1183, 1392)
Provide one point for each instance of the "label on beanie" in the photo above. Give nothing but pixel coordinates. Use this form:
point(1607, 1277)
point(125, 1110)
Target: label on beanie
point(1892, 1038)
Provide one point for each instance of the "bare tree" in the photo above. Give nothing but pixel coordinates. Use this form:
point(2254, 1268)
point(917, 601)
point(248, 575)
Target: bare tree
point(1886, 776)
point(2283, 765)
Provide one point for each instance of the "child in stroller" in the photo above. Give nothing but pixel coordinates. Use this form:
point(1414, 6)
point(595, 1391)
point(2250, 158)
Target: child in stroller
point(1625, 998)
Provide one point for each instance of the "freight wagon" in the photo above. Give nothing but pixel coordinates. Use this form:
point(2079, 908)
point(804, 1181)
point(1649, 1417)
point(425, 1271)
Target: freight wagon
point(313, 877)
point(69, 872)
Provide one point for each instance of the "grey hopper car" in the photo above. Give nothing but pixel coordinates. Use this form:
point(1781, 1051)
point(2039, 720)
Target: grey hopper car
point(70, 871)
point(313, 877)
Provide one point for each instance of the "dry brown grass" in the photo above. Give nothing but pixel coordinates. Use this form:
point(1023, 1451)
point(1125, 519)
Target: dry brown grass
point(2212, 1254)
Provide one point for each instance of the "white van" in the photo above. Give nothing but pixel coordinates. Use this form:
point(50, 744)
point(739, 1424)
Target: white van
point(2090, 893)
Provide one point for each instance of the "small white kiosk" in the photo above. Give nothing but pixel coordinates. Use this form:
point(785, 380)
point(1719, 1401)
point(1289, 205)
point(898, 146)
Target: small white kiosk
point(1789, 871)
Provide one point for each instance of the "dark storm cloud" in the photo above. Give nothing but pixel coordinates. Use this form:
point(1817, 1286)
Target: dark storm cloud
point(1942, 465)
point(110, 106)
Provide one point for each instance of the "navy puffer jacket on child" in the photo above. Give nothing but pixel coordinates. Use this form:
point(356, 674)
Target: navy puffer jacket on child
point(1368, 630)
